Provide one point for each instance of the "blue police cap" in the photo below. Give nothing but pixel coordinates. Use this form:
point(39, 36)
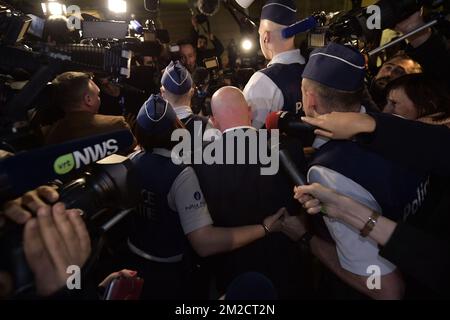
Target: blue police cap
point(176, 78)
point(336, 66)
point(283, 12)
point(156, 115)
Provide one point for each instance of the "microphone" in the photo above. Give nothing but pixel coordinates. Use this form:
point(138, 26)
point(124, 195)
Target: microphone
point(299, 27)
point(293, 172)
point(208, 7)
point(288, 123)
point(28, 170)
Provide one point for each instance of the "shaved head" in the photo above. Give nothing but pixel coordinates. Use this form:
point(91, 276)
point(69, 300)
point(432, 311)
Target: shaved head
point(230, 109)
point(271, 40)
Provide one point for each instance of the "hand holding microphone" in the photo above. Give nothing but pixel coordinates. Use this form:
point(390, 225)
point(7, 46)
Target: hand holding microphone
point(290, 123)
point(316, 198)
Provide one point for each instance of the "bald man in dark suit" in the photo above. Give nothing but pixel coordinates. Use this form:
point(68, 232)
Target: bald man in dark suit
point(239, 194)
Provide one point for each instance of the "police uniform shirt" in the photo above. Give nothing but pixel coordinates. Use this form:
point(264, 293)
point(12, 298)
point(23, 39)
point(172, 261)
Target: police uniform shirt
point(355, 253)
point(262, 94)
point(186, 198)
point(183, 112)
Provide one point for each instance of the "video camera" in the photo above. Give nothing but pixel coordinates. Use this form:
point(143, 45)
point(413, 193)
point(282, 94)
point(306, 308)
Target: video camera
point(207, 80)
point(27, 60)
point(361, 26)
point(96, 180)
point(28, 63)
point(13, 25)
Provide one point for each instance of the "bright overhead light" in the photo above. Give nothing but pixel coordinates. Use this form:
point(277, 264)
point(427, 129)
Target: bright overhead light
point(53, 8)
point(247, 44)
point(117, 6)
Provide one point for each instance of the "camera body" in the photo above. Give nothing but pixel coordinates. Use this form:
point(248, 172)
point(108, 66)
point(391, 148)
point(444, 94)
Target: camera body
point(13, 25)
point(354, 27)
point(105, 194)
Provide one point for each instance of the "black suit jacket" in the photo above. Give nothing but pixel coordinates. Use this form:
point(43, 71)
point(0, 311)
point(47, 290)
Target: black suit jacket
point(239, 195)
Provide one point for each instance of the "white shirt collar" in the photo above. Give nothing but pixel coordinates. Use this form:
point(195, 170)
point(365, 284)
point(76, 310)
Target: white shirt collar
point(183, 112)
point(237, 128)
point(288, 57)
point(320, 141)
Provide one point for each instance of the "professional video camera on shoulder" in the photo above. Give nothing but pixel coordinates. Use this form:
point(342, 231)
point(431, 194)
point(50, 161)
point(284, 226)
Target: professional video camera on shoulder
point(151, 40)
point(207, 80)
point(362, 26)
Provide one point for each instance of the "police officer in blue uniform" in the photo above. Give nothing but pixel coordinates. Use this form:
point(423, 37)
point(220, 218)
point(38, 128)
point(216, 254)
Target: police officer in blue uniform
point(177, 88)
point(333, 80)
point(278, 86)
point(173, 210)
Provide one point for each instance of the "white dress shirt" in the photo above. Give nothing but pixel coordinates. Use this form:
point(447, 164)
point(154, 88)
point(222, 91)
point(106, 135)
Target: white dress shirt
point(183, 112)
point(355, 253)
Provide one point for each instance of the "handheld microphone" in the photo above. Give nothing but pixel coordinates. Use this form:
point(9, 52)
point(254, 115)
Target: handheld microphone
point(288, 123)
point(294, 173)
point(299, 27)
point(28, 170)
point(292, 170)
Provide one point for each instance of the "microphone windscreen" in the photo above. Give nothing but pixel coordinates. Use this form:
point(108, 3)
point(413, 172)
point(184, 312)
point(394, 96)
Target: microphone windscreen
point(29, 170)
point(299, 27)
point(272, 120)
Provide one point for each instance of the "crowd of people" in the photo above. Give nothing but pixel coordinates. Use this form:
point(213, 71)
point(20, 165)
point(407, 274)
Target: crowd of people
point(378, 193)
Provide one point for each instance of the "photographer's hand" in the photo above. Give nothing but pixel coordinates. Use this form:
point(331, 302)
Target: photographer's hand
point(56, 239)
point(342, 125)
point(315, 198)
point(21, 209)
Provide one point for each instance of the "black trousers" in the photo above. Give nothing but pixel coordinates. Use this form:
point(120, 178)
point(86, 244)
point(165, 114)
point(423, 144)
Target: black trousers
point(171, 281)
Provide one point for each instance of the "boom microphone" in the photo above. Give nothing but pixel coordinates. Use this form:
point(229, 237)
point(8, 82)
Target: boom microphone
point(299, 27)
point(28, 170)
